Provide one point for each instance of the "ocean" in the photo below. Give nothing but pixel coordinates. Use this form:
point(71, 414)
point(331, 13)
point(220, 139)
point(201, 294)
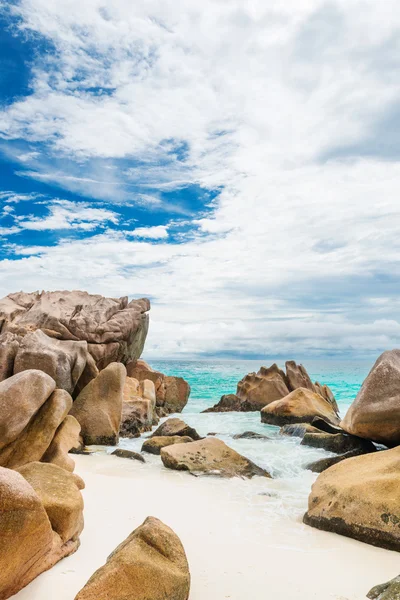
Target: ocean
point(284, 457)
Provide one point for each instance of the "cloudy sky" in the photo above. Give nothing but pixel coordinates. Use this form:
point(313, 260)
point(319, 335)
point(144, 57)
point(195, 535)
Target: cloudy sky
point(237, 162)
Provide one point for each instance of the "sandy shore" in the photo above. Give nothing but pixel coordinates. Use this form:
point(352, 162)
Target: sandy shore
point(240, 541)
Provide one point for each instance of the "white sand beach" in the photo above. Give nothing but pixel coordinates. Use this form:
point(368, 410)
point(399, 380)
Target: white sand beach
point(241, 542)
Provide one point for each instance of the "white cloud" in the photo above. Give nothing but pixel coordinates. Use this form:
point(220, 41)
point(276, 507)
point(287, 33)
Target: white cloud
point(298, 253)
point(158, 232)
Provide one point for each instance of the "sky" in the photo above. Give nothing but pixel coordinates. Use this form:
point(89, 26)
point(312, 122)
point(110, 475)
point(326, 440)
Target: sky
point(237, 162)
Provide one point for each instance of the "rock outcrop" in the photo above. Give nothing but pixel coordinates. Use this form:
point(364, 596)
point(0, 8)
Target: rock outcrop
point(59, 492)
point(359, 498)
point(98, 408)
point(154, 445)
point(69, 335)
point(150, 564)
point(29, 545)
point(257, 390)
point(210, 456)
point(138, 407)
point(175, 426)
point(172, 393)
point(386, 591)
point(337, 442)
point(300, 406)
point(375, 413)
point(32, 414)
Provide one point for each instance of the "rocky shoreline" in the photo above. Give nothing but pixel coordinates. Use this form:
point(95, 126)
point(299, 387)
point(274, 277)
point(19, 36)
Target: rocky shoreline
point(71, 376)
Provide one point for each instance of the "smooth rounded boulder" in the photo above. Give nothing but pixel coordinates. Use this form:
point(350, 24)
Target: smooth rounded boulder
point(154, 445)
point(150, 564)
point(98, 408)
point(21, 396)
point(359, 498)
point(210, 456)
point(375, 413)
point(300, 406)
point(175, 426)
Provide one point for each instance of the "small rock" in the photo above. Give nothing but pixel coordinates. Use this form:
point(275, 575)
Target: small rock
point(175, 426)
point(324, 463)
point(298, 429)
point(338, 442)
point(122, 453)
point(386, 591)
point(153, 445)
point(250, 435)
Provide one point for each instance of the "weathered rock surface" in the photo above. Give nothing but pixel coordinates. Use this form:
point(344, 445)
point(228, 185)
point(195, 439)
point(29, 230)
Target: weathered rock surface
point(66, 438)
point(59, 492)
point(76, 315)
point(338, 442)
point(300, 406)
point(98, 408)
point(386, 591)
point(21, 396)
point(138, 407)
point(122, 453)
point(375, 413)
point(210, 456)
point(150, 564)
point(172, 393)
point(64, 361)
point(298, 429)
point(9, 344)
point(29, 546)
point(35, 439)
point(322, 464)
point(250, 435)
point(359, 498)
point(257, 390)
point(228, 403)
point(175, 426)
point(154, 445)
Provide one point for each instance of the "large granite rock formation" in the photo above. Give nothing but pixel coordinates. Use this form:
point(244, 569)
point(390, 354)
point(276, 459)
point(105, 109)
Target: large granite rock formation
point(359, 498)
point(375, 413)
point(210, 456)
point(150, 564)
point(257, 390)
point(57, 332)
point(98, 408)
point(31, 413)
point(138, 407)
point(172, 393)
point(300, 406)
point(29, 544)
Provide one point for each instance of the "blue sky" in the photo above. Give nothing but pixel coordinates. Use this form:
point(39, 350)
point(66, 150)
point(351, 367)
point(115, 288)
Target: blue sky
point(236, 162)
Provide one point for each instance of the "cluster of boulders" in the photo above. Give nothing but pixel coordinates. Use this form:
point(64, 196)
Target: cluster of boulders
point(64, 358)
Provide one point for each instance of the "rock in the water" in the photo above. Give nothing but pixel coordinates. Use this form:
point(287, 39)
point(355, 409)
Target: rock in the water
point(228, 403)
point(298, 429)
point(21, 396)
point(138, 407)
point(29, 546)
point(65, 439)
point(172, 393)
point(64, 361)
point(375, 413)
point(386, 591)
point(175, 426)
point(300, 406)
point(153, 445)
point(321, 465)
point(114, 328)
point(324, 425)
point(250, 435)
point(359, 498)
point(98, 408)
point(122, 453)
point(298, 377)
point(59, 492)
point(210, 456)
point(35, 439)
point(259, 389)
point(150, 564)
point(337, 442)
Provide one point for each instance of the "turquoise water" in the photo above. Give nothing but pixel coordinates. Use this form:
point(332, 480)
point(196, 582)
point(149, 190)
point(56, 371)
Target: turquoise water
point(209, 380)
